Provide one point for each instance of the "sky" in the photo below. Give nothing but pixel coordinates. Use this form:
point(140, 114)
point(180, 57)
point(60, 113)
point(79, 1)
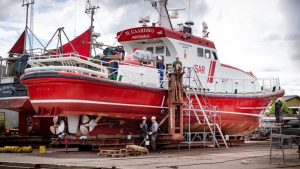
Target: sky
point(258, 36)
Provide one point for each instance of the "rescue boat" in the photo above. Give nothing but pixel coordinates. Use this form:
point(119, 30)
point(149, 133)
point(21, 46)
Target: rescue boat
point(108, 97)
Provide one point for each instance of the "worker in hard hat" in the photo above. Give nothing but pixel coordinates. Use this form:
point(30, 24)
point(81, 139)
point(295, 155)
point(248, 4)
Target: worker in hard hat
point(153, 133)
point(278, 108)
point(143, 131)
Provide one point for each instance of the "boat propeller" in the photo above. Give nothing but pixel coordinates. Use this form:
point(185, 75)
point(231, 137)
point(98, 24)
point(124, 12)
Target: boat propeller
point(59, 126)
point(88, 124)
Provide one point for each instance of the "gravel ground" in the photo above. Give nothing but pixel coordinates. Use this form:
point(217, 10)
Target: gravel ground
point(251, 155)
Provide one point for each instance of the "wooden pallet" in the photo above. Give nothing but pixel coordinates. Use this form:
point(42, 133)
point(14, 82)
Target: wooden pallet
point(113, 153)
point(121, 152)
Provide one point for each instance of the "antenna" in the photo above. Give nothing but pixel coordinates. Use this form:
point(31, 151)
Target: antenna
point(175, 12)
point(26, 3)
point(189, 23)
point(90, 10)
point(144, 20)
point(161, 7)
point(189, 10)
point(75, 17)
point(31, 18)
point(204, 31)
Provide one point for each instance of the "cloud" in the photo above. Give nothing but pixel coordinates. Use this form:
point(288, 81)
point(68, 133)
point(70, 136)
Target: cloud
point(292, 13)
point(293, 37)
point(272, 37)
point(270, 69)
point(8, 10)
point(119, 3)
point(254, 35)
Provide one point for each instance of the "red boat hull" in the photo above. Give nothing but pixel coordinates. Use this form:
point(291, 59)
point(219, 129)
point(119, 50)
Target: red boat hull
point(18, 103)
point(64, 93)
point(22, 105)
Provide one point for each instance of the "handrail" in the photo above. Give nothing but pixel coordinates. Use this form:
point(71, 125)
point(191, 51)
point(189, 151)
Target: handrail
point(71, 62)
point(101, 62)
point(210, 113)
point(67, 68)
point(231, 85)
point(32, 62)
point(192, 76)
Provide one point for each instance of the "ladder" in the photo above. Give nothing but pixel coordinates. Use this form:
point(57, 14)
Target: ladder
point(212, 125)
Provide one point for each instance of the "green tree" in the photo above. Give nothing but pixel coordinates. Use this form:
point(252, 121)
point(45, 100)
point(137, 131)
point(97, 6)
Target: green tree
point(285, 109)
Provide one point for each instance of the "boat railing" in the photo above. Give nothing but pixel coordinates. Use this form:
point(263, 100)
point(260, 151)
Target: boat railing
point(69, 62)
point(231, 85)
point(215, 84)
point(72, 62)
point(36, 51)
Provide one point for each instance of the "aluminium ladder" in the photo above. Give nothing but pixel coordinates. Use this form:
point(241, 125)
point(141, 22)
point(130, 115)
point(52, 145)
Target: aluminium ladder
point(211, 125)
point(206, 118)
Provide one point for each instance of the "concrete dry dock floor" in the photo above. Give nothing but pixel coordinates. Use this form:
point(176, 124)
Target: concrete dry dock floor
point(251, 155)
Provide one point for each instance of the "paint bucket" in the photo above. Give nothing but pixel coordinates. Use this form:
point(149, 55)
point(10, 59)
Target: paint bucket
point(227, 137)
point(129, 136)
point(42, 149)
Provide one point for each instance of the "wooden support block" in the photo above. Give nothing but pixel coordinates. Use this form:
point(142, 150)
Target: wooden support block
point(129, 150)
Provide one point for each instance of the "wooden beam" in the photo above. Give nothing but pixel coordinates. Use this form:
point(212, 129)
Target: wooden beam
point(163, 120)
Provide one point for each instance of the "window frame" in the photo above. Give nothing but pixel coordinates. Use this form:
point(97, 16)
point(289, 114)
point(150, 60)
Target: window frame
point(198, 49)
point(209, 52)
point(163, 51)
point(150, 48)
point(168, 54)
point(214, 54)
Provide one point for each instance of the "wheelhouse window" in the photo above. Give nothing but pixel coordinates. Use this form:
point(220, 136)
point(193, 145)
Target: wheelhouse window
point(207, 54)
point(167, 52)
point(150, 49)
point(159, 50)
point(215, 55)
point(200, 52)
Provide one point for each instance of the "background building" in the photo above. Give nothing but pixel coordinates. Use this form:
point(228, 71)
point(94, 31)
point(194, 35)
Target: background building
point(293, 102)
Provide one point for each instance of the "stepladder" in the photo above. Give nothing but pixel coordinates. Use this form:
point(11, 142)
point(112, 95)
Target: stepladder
point(207, 114)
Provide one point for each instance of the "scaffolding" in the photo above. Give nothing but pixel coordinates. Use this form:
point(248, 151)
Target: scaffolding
point(175, 112)
point(280, 141)
point(198, 106)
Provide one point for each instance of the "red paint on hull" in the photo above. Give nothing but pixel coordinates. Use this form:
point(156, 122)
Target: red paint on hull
point(82, 96)
point(70, 93)
point(16, 104)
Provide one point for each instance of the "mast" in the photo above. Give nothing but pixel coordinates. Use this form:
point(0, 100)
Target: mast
point(164, 18)
point(90, 9)
point(26, 3)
